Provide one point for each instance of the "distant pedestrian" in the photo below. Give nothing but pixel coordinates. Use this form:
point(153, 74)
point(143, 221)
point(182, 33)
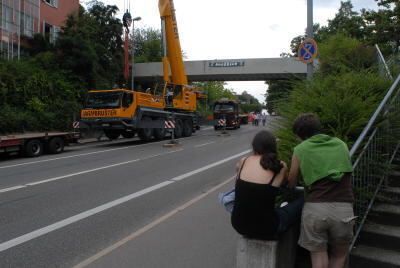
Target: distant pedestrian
point(258, 118)
point(264, 119)
point(253, 119)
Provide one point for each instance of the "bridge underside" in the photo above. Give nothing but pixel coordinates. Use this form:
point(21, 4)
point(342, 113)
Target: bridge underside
point(228, 70)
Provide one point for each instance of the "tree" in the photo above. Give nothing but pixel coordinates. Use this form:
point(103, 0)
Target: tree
point(346, 21)
point(344, 92)
point(214, 90)
point(384, 25)
point(246, 98)
point(91, 44)
point(277, 92)
point(148, 46)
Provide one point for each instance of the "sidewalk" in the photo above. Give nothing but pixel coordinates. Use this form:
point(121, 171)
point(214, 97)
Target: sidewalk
point(198, 236)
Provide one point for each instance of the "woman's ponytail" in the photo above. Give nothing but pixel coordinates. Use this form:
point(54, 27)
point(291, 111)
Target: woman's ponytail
point(270, 161)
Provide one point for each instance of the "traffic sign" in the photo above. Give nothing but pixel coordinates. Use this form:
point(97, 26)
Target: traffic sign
point(308, 51)
point(75, 124)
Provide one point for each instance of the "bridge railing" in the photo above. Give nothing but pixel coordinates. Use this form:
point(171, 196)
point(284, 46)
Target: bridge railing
point(373, 153)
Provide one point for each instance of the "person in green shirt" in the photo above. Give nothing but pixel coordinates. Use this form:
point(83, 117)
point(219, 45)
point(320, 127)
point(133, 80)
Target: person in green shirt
point(323, 162)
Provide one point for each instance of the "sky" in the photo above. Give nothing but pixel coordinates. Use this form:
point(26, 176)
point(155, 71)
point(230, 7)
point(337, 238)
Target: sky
point(235, 29)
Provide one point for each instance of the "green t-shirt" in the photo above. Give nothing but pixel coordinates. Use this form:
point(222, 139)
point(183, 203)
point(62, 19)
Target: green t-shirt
point(322, 156)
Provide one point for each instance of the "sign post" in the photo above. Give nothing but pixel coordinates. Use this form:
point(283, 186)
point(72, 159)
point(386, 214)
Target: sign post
point(310, 35)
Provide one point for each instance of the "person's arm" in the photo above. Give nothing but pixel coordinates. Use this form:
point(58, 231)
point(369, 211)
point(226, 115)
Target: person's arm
point(239, 164)
point(294, 172)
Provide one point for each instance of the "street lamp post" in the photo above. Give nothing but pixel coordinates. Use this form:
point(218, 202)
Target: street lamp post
point(133, 48)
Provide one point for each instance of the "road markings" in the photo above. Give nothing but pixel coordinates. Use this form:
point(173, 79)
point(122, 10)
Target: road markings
point(29, 236)
point(81, 172)
point(204, 144)
point(187, 175)
point(85, 154)
point(149, 226)
point(55, 226)
point(206, 128)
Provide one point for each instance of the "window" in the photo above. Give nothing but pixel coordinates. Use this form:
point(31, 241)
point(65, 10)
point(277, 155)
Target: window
point(50, 32)
point(53, 3)
point(6, 18)
point(26, 25)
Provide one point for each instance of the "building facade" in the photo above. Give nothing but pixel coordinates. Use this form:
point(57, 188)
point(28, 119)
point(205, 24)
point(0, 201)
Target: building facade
point(24, 18)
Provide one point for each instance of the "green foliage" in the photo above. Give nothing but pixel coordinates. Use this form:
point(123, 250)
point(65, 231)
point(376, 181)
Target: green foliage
point(278, 92)
point(344, 94)
point(384, 25)
point(214, 91)
point(90, 45)
point(248, 108)
point(148, 46)
point(342, 54)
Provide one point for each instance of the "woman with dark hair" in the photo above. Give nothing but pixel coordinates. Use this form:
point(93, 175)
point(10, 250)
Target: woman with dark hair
point(259, 178)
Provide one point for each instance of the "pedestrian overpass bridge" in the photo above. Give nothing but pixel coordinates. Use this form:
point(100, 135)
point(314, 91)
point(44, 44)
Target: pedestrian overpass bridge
point(260, 69)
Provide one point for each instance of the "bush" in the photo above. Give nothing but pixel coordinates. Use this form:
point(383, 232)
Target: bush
point(344, 94)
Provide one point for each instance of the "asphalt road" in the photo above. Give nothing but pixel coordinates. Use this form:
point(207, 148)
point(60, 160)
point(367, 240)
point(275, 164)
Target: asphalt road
point(65, 210)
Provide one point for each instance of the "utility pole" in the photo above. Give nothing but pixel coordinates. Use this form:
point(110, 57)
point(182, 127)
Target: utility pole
point(310, 35)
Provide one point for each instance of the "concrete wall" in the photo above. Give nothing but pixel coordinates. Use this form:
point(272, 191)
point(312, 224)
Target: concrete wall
point(268, 254)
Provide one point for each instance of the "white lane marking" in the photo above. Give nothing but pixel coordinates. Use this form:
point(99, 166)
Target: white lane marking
point(60, 224)
point(149, 226)
point(204, 144)
point(81, 172)
point(12, 188)
point(206, 128)
point(29, 236)
point(85, 154)
point(187, 175)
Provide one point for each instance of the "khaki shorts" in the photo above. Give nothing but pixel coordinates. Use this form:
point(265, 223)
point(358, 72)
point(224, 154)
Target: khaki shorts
point(326, 223)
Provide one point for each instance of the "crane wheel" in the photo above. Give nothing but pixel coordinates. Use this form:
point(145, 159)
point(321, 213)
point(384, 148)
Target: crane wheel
point(112, 134)
point(128, 135)
point(187, 128)
point(178, 128)
point(145, 134)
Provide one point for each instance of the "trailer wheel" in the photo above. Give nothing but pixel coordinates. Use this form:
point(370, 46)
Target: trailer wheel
point(112, 134)
point(145, 134)
point(178, 128)
point(128, 135)
point(55, 145)
point(33, 148)
point(187, 128)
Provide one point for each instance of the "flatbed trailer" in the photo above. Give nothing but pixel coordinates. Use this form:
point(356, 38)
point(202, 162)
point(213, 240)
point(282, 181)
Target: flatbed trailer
point(35, 144)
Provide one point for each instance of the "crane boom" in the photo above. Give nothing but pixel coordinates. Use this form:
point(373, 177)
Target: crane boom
point(172, 53)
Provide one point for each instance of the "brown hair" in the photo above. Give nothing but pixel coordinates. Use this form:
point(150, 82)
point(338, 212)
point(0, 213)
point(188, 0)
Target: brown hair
point(306, 125)
point(264, 144)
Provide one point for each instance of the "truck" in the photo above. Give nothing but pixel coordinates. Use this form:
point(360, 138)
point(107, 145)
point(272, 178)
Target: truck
point(35, 144)
point(226, 114)
point(127, 112)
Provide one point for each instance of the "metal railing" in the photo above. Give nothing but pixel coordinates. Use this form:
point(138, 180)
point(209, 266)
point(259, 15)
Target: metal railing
point(373, 153)
point(382, 63)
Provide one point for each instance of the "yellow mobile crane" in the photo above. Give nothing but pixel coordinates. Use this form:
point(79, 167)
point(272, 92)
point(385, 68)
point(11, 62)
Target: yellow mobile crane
point(125, 112)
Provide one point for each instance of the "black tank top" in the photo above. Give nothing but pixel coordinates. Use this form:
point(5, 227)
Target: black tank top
point(253, 212)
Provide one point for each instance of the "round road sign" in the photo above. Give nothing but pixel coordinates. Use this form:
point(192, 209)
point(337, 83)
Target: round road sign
point(307, 51)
